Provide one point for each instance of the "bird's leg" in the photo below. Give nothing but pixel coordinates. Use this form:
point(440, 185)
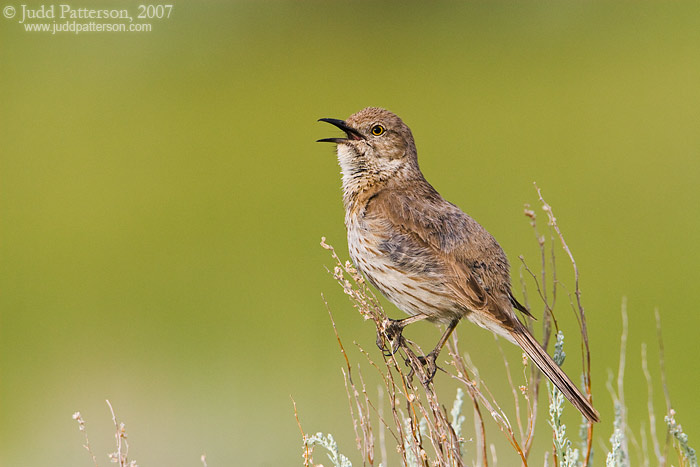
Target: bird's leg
point(391, 330)
point(430, 360)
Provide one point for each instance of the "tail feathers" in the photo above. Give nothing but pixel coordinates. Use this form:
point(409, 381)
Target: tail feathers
point(555, 374)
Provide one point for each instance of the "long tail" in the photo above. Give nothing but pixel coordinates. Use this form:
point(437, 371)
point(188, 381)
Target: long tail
point(552, 371)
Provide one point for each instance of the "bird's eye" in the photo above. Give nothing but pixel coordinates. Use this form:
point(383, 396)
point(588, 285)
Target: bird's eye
point(378, 130)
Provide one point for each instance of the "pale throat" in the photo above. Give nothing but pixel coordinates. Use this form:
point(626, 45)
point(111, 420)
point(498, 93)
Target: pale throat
point(362, 177)
point(358, 177)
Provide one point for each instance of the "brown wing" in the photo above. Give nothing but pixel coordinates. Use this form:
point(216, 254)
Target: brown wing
point(428, 235)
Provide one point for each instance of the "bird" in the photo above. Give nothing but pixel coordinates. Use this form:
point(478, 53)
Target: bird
point(423, 253)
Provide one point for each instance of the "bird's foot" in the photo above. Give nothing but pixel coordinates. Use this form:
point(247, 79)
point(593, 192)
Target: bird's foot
point(389, 331)
point(429, 363)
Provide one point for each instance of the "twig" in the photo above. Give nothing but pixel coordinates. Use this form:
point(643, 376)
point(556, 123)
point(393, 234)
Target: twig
point(662, 369)
point(644, 447)
point(121, 456)
point(662, 360)
point(382, 436)
point(585, 354)
point(81, 423)
point(308, 451)
point(621, 377)
point(650, 407)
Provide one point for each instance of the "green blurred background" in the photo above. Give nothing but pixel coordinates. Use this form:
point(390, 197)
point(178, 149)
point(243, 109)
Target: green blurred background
point(162, 200)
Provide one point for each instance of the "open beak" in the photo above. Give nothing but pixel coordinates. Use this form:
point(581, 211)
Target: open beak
point(352, 134)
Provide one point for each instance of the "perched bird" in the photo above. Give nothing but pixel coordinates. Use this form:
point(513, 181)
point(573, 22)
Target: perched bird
point(422, 252)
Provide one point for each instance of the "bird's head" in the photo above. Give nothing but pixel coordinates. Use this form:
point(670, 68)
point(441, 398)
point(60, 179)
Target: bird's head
point(377, 146)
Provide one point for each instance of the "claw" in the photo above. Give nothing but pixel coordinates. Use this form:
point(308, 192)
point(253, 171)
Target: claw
point(429, 366)
point(391, 331)
point(429, 363)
